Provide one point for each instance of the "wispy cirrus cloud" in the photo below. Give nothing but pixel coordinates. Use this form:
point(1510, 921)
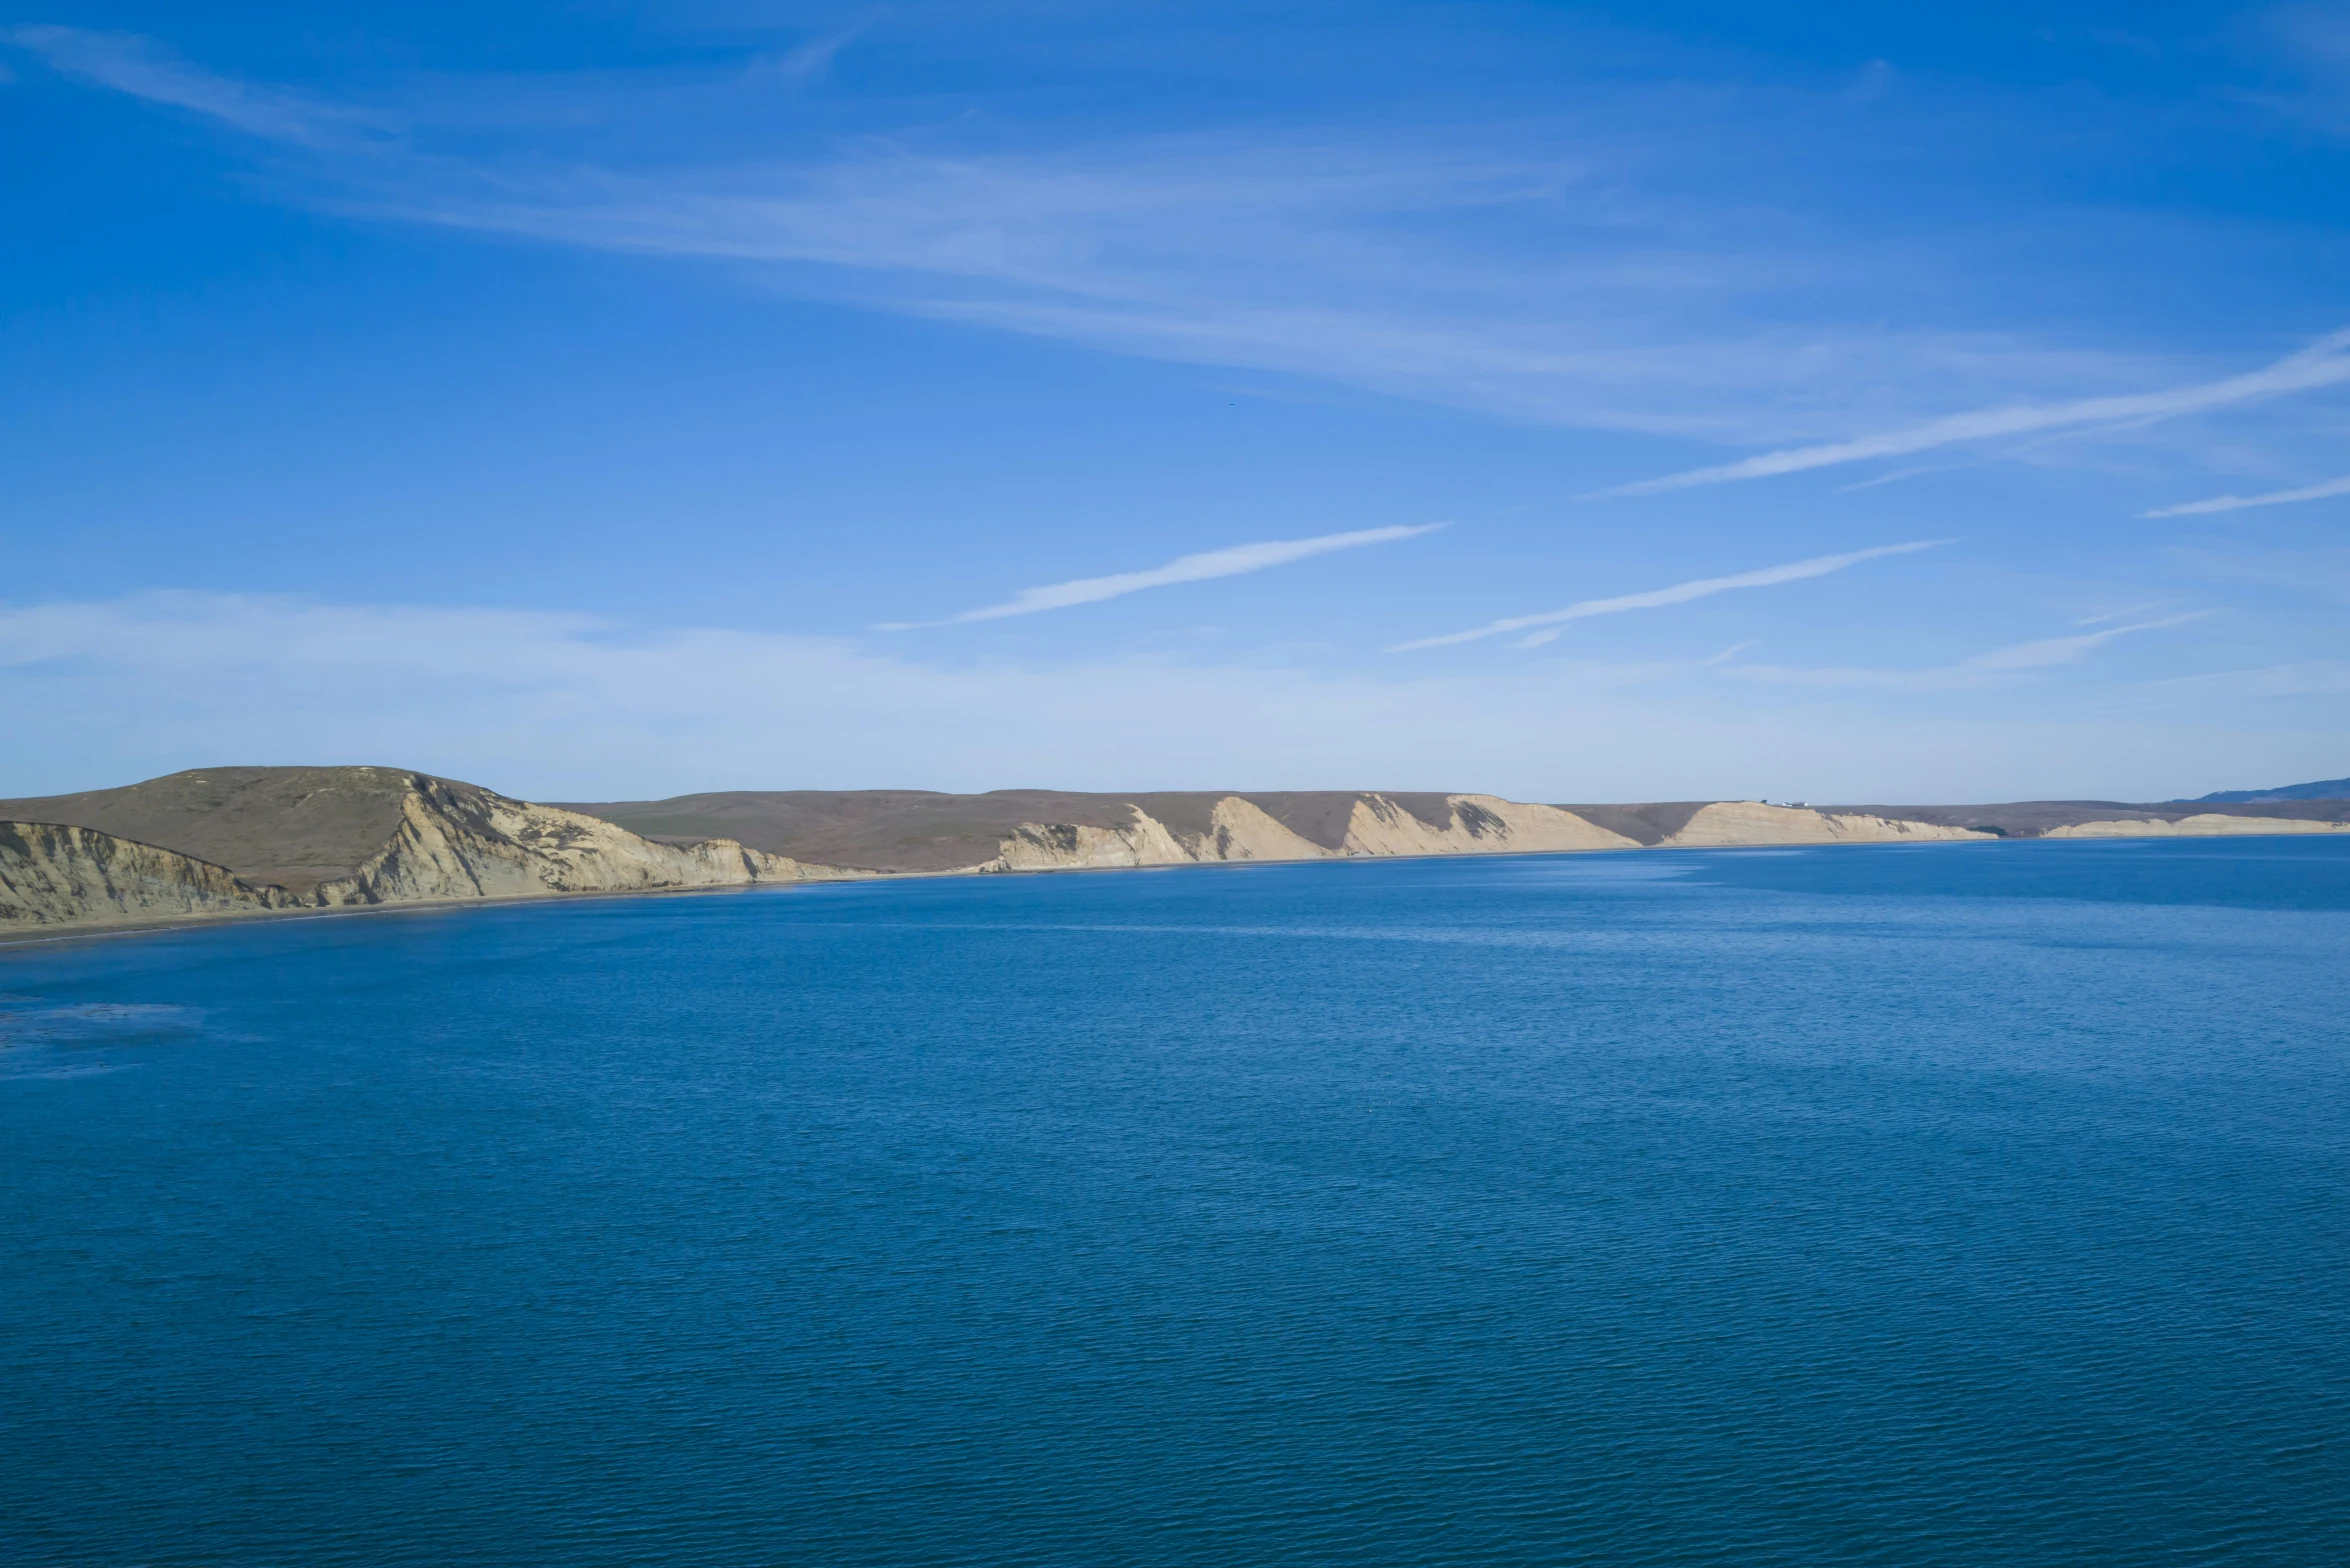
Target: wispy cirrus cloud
point(1576, 269)
point(1679, 593)
point(2049, 651)
point(2324, 363)
point(145, 68)
point(807, 63)
point(1559, 269)
point(2309, 678)
point(2237, 503)
point(1984, 669)
point(1232, 562)
point(2122, 614)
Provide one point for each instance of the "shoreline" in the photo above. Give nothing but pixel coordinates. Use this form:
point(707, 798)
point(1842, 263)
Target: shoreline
point(166, 923)
point(13, 941)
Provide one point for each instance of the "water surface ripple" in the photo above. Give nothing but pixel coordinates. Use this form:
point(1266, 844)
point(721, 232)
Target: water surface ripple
point(1948, 1205)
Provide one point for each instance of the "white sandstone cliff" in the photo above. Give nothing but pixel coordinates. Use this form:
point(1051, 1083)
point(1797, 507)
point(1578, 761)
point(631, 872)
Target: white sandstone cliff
point(1239, 830)
point(453, 841)
point(53, 875)
point(1730, 824)
point(2209, 824)
point(457, 841)
point(460, 841)
point(1481, 825)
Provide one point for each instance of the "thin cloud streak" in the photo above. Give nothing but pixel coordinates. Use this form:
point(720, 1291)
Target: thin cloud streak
point(1329, 256)
point(2313, 678)
point(1680, 593)
point(142, 68)
point(809, 62)
point(2236, 503)
point(2122, 614)
point(1193, 249)
point(1984, 669)
point(2324, 363)
point(1207, 564)
point(2064, 650)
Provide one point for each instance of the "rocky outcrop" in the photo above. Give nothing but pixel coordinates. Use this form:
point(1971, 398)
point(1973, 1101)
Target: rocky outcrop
point(1240, 830)
point(2202, 825)
point(450, 841)
point(1480, 825)
point(55, 875)
point(1378, 826)
point(1729, 824)
point(1146, 841)
point(461, 841)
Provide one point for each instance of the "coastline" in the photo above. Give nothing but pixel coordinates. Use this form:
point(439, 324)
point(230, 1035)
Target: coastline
point(167, 923)
point(163, 925)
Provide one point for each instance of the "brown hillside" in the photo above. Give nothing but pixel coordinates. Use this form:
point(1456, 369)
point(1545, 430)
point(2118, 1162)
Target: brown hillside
point(296, 827)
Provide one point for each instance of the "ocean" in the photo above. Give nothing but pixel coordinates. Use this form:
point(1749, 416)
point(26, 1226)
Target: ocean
point(1918, 1205)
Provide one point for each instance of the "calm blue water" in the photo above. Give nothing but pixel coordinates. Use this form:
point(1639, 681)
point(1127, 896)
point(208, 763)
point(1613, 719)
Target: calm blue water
point(1908, 1206)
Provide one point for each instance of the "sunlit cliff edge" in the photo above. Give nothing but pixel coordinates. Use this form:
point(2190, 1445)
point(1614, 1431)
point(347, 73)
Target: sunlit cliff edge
point(253, 841)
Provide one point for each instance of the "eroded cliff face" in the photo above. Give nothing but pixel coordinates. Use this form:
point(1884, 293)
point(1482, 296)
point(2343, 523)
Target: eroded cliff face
point(1728, 824)
point(461, 841)
point(52, 875)
point(255, 840)
point(1481, 825)
point(2202, 825)
point(1239, 830)
point(1477, 825)
point(452, 841)
point(1063, 846)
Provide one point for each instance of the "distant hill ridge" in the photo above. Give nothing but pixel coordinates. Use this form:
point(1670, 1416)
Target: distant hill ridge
point(254, 840)
point(2323, 789)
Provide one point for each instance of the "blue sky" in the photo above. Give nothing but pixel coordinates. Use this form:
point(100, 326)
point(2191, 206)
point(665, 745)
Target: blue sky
point(1570, 402)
